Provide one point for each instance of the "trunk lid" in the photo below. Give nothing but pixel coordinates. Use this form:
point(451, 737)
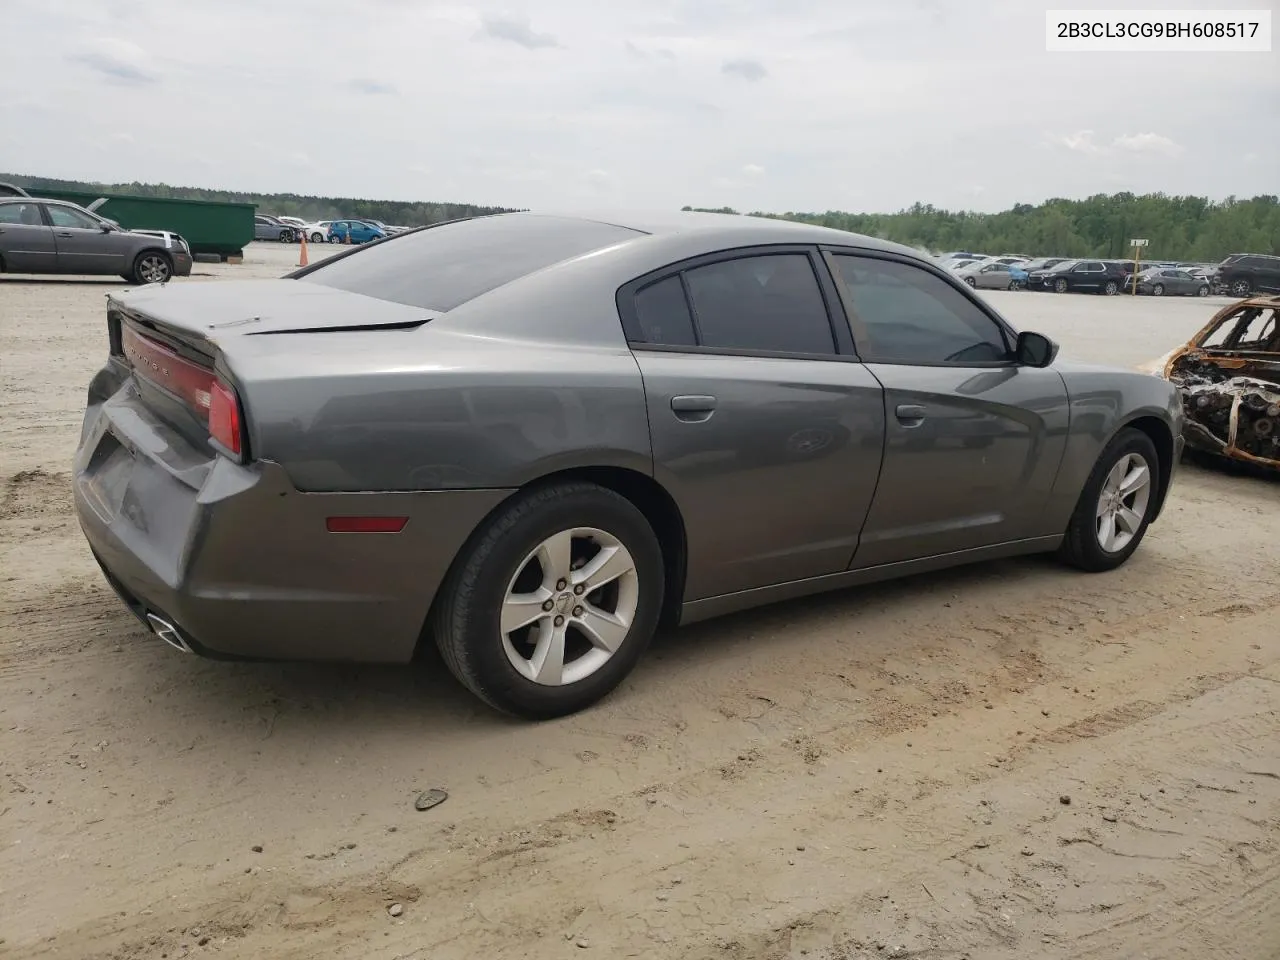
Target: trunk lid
point(205, 314)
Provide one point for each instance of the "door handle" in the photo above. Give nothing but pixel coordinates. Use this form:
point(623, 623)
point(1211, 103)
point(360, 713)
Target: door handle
point(65, 233)
point(909, 414)
point(693, 408)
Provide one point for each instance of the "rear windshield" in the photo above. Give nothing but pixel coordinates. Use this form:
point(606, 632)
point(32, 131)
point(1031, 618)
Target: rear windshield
point(442, 267)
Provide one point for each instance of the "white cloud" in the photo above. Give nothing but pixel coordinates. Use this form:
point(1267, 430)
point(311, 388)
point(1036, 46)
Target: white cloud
point(118, 61)
point(1147, 143)
point(753, 170)
point(1081, 141)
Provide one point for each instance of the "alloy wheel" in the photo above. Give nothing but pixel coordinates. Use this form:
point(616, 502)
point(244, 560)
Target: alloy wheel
point(1122, 502)
point(1240, 288)
point(570, 606)
point(153, 268)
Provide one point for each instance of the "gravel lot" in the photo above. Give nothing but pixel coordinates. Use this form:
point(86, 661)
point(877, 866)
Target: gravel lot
point(1006, 761)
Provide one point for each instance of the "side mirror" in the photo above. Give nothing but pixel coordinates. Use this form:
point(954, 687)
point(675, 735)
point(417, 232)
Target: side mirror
point(106, 227)
point(1035, 349)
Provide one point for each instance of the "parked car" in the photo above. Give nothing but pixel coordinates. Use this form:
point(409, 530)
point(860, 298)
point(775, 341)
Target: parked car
point(1043, 263)
point(1009, 259)
point(317, 231)
point(358, 231)
point(1079, 276)
point(960, 264)
point(296, 222)
point(1244, 273)
point(12, 190)
point(269, 228)
point(987, 275)
point(1159, 281)
point(53, 236)
point(507, 434)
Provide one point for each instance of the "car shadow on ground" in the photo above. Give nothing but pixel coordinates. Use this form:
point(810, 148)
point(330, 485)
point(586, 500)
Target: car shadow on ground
point(36, 280)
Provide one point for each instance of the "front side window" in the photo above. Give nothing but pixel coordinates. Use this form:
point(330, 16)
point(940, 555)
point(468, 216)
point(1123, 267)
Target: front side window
point(771, 303)
point(904, 314)
point(70, 217)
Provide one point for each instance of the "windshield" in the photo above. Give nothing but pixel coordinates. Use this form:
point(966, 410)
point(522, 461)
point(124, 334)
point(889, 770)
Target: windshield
point(1064, 265)
point(441, 267)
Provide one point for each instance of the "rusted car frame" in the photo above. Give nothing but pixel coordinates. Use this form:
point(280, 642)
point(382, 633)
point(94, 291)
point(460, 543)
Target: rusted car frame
point(1229, 377)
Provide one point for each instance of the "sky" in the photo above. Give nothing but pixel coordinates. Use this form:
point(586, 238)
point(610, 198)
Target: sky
point(774, 105)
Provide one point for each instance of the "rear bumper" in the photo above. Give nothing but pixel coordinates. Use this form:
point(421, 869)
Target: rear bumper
point(241, 562)
point(182, 264)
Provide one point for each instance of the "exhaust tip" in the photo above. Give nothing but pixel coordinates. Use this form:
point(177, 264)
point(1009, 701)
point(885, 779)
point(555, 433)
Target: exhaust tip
point(167, 632)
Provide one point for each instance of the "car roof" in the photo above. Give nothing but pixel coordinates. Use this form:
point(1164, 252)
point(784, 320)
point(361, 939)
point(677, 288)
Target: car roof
point(723, 229)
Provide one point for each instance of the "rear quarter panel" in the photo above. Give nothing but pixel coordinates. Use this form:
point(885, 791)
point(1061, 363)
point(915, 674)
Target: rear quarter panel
point(430, 409)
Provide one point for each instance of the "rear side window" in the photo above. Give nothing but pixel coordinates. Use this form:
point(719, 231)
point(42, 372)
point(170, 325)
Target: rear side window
point(442, 267)
point(663, 314)
point(770, 303)
point(26, 213)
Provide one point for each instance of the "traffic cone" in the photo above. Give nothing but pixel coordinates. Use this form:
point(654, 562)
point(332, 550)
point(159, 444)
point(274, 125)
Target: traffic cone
point(346, 237)
point(302, 251)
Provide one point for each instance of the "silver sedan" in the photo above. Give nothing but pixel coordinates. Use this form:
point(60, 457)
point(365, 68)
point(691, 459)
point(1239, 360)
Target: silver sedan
point(986, 275)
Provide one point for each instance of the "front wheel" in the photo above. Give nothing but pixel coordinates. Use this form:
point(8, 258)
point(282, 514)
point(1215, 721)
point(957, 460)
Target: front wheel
point(1116, 504)
point(1158, 290)
point(286, 236)
point(1240, 288)
point(1202, 290)
point(151, 266)
point(1060, 286)
point(317, 237)
point(552, 602)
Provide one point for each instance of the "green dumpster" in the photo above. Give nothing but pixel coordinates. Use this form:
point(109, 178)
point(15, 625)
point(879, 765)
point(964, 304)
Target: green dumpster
point(208, 226)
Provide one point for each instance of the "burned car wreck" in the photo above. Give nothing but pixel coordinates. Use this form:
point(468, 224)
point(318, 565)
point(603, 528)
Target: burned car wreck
point(1229, 379)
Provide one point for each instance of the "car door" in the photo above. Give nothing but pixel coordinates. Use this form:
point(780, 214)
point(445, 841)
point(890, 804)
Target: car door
point(973, 439)
point(1183, 282)
point(994, 276)
point(26, 240)
point(1087, 275)
point(766, 429)
point(84, 246)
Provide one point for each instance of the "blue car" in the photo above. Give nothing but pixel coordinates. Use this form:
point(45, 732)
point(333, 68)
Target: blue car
point(357, 230)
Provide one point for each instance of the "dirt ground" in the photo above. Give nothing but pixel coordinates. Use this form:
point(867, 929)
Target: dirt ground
point(1006, 761)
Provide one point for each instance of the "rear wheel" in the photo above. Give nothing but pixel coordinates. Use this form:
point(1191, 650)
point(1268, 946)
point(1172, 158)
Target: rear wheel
point(317, 237)
point(552, 602)
point(1115, 505)
point(971, 282)
point(151, 266)
point(1240, 287)
point(1110, 288)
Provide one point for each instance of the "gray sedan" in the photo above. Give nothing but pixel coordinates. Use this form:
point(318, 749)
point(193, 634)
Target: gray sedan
point(50, 236)
point(987, 275)
point(533, 439)
point(1162, 281)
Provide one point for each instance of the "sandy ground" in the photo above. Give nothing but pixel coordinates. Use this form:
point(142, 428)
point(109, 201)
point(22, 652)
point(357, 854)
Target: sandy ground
point(1006, 761)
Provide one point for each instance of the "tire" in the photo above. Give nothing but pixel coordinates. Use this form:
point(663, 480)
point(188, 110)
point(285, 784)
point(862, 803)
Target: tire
point(1202, 290)
point(1110, 288)
point(467, 618)
point(286, 236)
point(1158, 290)
point(317, 237)
point(1083, 546)
point(971, 282)
point(1240, 287)
point(1060, 286)
point(151, 266)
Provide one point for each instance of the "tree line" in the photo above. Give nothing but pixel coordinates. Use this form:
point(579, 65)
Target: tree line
point(1178, 228)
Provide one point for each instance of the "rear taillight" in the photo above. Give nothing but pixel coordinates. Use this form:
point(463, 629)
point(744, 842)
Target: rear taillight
point(224, 417)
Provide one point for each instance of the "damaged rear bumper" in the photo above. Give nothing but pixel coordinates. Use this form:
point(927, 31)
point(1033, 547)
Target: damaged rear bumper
point(1237, 418)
